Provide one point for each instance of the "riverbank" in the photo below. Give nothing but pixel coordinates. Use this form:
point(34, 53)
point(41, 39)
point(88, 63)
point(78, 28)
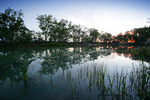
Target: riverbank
point(33, 44)
point(143, 53)
point(52, 44)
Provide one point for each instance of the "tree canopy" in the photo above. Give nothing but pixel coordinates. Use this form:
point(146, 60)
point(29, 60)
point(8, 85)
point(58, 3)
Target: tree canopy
point(106, 37)
point(12, 28)
point(45, 24)
point(141, 35)
point(94, 34)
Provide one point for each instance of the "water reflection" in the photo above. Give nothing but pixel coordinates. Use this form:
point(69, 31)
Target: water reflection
point(53, 73)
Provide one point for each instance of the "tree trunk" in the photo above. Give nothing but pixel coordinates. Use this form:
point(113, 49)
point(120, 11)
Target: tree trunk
point(45, 37)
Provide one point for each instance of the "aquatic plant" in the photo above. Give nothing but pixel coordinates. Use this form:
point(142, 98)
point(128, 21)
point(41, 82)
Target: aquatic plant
point(129, 85)
point(142, 53)
point(120, 85)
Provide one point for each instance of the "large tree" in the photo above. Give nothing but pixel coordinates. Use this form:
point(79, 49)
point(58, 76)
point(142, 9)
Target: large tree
point(76, 33)
point(45, 24)
point(141, 35)
point(60, 31)
point(120, 37)
point(12, 28)
point(106, 37)
point(94, 34)
point(85, 35)
point(57, 31)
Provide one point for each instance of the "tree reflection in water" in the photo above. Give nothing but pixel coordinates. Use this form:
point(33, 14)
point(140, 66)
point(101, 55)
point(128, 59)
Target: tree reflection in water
point(26, 72)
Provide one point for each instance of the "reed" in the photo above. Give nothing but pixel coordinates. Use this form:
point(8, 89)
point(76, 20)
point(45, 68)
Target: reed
point(135, 84)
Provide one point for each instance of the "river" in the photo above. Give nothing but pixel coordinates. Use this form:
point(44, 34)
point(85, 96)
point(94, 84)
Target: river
point(62, 73)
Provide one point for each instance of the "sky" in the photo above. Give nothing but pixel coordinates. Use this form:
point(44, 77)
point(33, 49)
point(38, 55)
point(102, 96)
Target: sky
point(112, 16)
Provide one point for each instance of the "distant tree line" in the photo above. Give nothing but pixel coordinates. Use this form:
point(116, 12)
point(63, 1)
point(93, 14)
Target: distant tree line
point(63, 30)
point(138, 36)
point(13, 30)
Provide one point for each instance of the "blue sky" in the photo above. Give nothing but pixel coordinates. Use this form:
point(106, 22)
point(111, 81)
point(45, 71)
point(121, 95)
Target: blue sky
point(113, 16)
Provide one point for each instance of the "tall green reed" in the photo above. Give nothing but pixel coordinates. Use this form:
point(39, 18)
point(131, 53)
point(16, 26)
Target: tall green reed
point(132, 85)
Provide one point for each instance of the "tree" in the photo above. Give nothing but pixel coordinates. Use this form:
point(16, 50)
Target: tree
point(12, 28)
point(106, 37)
point(76, 33)
point(94, 34)
point(25, 36)
point(56, 31)
point(120, 37)
point(128, 36)
point(141, 35)
point(61, 31)
point(38, 37)
point(84, 36)
point(45, 24)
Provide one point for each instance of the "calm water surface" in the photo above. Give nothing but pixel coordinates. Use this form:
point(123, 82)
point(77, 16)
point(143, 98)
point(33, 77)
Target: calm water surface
point(59, 73)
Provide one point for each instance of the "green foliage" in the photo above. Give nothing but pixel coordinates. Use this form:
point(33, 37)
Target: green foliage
point(142, 53)
point(45, 24)
point(12, 27)
point(106, 37)
point(76, 33)
point(60, 31)
point(120, 85)
point(86, 38)
point(94, 34)
point(120, 37)
point(56, 31)
point(141, 35)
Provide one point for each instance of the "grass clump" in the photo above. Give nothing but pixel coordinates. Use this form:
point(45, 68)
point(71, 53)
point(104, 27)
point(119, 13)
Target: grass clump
point(141, 51)
point(121, 85)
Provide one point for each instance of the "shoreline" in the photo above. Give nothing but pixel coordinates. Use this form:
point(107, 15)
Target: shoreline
point(58, 44)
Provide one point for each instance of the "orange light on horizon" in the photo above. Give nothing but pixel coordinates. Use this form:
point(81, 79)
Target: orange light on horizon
point(131, 47)
point(131, 41)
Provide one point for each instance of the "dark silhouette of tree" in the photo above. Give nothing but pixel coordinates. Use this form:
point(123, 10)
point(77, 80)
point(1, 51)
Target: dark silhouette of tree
point(45, 24)
point(106, 37)
point(61, 31)
point(141, 35)
point(15, 61)
point(94, 34)
point(84, 36)
point(56, 31)
point(12, 28)
point(126, 36)
point(76, 33)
